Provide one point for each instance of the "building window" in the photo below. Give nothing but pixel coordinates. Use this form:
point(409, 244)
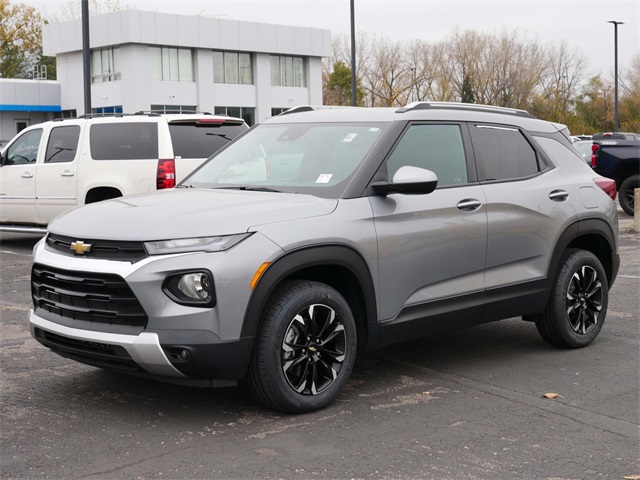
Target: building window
point(173, 108)
point(105, 65)
point(248, 114)
point(232, 67)
point(171, 64)
point(287, 71)
point(107, 110)
point(21, 125)
point(278, 111)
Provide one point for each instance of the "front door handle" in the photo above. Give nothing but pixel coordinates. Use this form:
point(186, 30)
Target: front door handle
point(469, 204)
point(27, 175)
point(558, 195)
point(67, 173)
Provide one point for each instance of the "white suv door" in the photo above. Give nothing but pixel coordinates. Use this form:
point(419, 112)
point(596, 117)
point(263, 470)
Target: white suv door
point(18, 178)
point(56, 175)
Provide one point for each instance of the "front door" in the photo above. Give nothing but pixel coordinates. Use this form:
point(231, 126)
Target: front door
point(18, 179)
point(431, 248)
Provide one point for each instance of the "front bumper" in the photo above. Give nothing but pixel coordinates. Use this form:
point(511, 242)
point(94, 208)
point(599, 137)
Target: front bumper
point(150, 354)
point(177, 343)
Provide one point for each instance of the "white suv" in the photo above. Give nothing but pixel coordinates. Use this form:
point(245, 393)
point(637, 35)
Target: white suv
point(54, 166)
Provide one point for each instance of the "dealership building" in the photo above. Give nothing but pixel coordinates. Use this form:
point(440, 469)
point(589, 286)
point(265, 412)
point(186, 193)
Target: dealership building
point(144, 61)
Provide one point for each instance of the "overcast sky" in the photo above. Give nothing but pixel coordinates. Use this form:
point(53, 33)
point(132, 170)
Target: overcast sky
point(581, 23)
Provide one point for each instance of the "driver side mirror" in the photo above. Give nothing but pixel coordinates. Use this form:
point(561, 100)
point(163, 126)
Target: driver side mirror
point(408, 180)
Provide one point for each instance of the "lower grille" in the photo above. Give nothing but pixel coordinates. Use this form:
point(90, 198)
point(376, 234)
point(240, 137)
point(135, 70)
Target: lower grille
point(87, 296)
point(92, 353)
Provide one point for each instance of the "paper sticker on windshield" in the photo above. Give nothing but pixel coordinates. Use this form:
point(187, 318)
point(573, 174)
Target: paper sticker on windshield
point(324, 178)
point(374, 129)
point(349, 137)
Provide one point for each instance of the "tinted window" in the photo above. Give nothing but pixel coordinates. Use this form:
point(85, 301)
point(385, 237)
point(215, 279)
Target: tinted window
point(124, 141)
point(63, 144)
point(504, 153)
point(201, 141)
point(437, 148)
point(25, 149)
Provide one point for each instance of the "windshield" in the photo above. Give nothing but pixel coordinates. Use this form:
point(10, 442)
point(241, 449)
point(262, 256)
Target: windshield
point(315, 158)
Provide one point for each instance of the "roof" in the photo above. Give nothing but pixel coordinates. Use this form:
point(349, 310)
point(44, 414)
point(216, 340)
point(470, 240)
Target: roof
point(435, 111)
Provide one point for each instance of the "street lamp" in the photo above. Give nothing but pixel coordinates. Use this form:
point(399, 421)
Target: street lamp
point(353, 54)
point(615, 50)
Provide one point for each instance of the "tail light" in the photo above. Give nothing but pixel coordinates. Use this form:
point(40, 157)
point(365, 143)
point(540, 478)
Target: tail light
point(594, 154)
point(166, 174)
point(607, 185)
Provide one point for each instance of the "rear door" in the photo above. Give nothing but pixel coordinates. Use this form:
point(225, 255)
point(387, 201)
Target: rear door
point(432, 247)
point(56, 179)
point(18, 178)
point(529, 204)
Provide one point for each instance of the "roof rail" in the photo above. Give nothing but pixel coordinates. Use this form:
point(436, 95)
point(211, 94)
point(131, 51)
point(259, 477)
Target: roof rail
point(311, 108)
point(463, 106)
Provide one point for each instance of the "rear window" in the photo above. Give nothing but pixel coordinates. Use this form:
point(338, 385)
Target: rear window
point(63, 144)
point(124, 141)
point(191, 140)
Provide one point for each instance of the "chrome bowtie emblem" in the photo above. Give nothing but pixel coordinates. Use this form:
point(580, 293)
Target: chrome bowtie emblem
point(80, 248)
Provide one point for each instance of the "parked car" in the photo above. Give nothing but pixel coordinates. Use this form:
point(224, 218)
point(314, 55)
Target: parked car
point(583, 147)
point(619, 159)
point(54, 166)
point(322, 233)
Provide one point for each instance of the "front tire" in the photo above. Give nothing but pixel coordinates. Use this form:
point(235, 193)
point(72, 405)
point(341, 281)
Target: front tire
point(625, 195)
point(305, 348)
point(577, 307)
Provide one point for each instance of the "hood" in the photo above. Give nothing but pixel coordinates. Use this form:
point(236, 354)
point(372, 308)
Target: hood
point(185, 213)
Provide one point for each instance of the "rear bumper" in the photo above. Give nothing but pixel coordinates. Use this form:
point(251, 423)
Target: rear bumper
point(150, 354)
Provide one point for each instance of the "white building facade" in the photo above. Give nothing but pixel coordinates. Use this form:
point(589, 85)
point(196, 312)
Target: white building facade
point(158, 61)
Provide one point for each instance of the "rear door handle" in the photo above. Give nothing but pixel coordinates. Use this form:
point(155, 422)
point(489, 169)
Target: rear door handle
point(66, 173)
point(27, 175)
point(469, 204)
point(558, 195)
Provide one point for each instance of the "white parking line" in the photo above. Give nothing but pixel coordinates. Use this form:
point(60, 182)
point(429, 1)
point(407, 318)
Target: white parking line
point(628, 276)
point(15, 253)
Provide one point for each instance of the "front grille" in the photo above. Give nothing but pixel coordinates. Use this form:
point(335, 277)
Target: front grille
point(125, 251)
point(87, 296)
point(92, 353)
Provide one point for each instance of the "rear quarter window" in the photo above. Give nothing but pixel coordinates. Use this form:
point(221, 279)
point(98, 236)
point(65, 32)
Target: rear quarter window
point(124, 141)
point(191, 140)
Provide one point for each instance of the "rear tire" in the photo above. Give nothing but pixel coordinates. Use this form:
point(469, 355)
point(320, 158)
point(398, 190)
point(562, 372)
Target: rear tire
point(305, 348)
point(625, 195)
point(577, 306)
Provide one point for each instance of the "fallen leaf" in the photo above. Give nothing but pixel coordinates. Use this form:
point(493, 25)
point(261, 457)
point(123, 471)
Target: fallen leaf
point(554, 395)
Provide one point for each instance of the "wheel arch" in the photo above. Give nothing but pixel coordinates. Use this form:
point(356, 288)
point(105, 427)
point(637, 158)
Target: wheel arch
point(97, 194)
point(594, 235)
point(338, 266)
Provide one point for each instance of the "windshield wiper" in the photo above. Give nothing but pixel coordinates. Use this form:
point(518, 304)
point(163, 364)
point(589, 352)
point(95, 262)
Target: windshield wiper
point(250, 188)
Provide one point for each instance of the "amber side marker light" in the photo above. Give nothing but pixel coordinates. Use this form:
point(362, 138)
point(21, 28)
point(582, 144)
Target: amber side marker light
point(258, 274)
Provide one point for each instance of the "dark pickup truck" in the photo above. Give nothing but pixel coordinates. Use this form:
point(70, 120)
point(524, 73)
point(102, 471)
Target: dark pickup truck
point(618, 157)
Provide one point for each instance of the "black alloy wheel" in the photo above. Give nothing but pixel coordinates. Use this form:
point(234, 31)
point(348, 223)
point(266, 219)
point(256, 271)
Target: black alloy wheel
point(577, 306)
point(313, 349)
point(305, 348)
point(584, 300)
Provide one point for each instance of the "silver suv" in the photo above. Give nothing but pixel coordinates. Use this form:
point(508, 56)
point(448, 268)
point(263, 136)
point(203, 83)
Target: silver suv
point(322, 233)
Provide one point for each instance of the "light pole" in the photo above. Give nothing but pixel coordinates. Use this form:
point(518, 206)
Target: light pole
point(615, 50)
point(353, 54)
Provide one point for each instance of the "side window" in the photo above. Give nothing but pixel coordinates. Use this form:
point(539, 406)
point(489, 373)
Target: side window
point(124, 141)
point(504, 153)
point(63, 144)
point(25, 149)
point(438, 148)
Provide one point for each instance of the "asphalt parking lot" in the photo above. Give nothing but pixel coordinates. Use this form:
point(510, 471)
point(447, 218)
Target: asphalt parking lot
point(462, 406)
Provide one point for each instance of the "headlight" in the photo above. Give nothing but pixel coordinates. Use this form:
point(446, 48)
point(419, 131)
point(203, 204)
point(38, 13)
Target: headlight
point(194, 288)
point(200, 244)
